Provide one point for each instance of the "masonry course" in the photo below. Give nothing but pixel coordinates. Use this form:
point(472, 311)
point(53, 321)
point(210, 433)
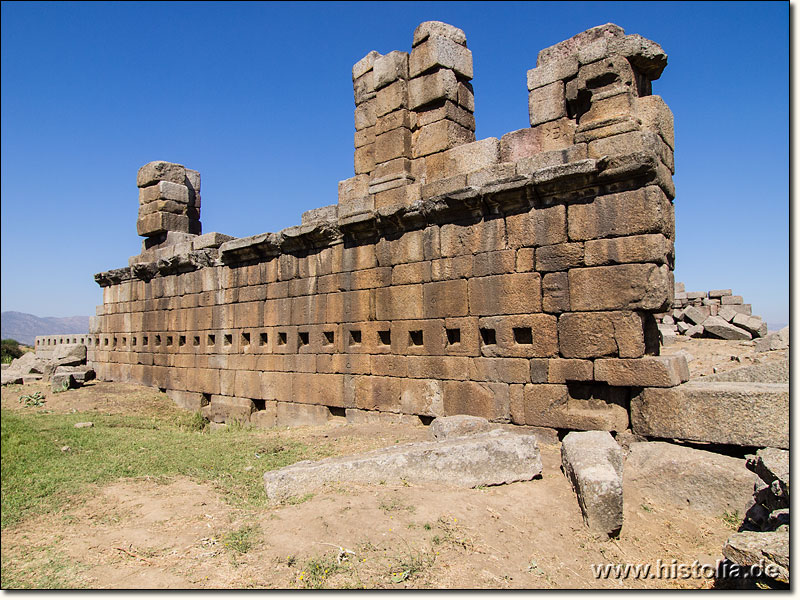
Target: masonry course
point(453, 276)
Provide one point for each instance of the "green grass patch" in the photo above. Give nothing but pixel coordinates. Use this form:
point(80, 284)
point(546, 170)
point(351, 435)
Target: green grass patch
point(39, 475)
point(243, 539)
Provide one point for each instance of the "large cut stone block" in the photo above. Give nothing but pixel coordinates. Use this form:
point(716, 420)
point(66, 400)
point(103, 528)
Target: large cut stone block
point(537, 227)
point(162, 222)
point(505, 294)
point(428, 29)
point(438, 136)
point(391, 98)
point(592, 461)
point(635, 286)
point(547, 103)
point(393, 144)
point(463, 159)
point(649, 371)
point(744, 414)
point(159, 170)
point(489, 458)
point(530, 335)
point(599, 334)
point(396, 394)
point(573, 406)
point(645, 210)
point(719, 327)
point(477, 398)
point(761, 549)
point(656, 116)
point(290, 414)
point(441, 85)
point(649, 248)
point(546, 137)
point(164, 190)
point(390, 67)
point(440, 52)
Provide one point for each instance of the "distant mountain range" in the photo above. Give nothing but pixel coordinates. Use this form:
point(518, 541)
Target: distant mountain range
point(24, 327)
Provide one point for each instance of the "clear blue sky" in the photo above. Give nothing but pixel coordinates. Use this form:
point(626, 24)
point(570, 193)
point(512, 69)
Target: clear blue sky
point(258, 98)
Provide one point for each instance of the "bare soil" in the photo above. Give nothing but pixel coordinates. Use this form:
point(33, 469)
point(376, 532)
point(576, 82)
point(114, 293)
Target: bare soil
point(177, 533)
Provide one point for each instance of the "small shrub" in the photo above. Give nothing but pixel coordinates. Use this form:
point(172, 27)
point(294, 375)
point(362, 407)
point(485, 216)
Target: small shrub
point(10, 350)
point(243, 539)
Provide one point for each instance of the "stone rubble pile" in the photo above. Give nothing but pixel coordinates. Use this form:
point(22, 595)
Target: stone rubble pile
point(716, 314)
point(66, 368)
point(764, 535)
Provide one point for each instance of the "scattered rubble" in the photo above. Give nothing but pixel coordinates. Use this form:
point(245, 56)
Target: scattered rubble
point(65, 369)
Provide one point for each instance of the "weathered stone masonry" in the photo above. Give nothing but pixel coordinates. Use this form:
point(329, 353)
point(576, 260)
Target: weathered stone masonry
point(511, 278)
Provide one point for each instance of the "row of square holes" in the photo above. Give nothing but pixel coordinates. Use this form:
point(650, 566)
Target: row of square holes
point(522, 335)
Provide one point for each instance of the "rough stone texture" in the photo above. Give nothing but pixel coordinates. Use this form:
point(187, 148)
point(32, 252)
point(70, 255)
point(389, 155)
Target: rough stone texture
point(774, 371)
point(687, 477)
point(649, 371)
point(491, 458)
point(722, 329)
point(771, 464)
point(745, 414)
point(443, 428)
point(592, 461)
point(453, 276)
point(749, 548)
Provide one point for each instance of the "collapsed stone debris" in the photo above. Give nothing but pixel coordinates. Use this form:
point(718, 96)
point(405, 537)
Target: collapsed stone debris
point(64, 366)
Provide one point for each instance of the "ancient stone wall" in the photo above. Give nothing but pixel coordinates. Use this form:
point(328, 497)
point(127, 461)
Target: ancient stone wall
point(514, 278)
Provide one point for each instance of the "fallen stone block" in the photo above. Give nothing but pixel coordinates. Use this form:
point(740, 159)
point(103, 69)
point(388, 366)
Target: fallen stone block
point(63, 382)
point(777, 340)
point(743, 414)
point(695, 331)
point(69, 355)
point(81, 374)
point(705, 481)
point(491, 458)
point(193, 401)
point(732, 300)
point(774, 371)
point(224, 409)
point(696, 314)
point(727, 313)
point(720, 328)
point(770, 548)
point(754, 325)
point(592, 461)
point(771, 464)
point(719, 293)
point(11, 377)
point(443, 428)
point(27, 363)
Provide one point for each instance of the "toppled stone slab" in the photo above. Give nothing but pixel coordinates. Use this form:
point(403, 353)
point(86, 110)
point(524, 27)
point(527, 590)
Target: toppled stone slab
point(592, 461)
point(719, 327)
point(63, 382)
point(771, 464)
point(744, 414)
point(705, 481)
point(81, 374)
point(749, 548)
point(491, 458)
point(11, 377)
point(443, 428)
point(26, 364)
point(777, 340)
point(774, 371)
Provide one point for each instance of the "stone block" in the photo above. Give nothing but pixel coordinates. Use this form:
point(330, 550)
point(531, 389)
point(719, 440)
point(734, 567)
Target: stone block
point(560, 370)
point(438, 86)
point(445, 299)
point(164, 191)
point(450, 110)
point(399, 302)
point(430, 29)
point(159, 170)
point(365, 65)
point(364, 87)
point(719, 293)
point(634, 286)
point(720, 328)
point(492, 174)
point(267, 418)
point(289, 414)
point(555, 293)
point(648, 371)
point(391, 98)
point(463, 159)
point(552, 136)
point(553, 71)
point(745, 309)
point(696, 314)
point(704, 481)
point(462, 336)
point(572, 45)
point(393, 144)
point(592, 461)
point(505, 294)
point(399, 395)
point(490, 458)
point(438, 367)
point(468, 238)
point(495, 263)
point(161, 222)
point(767, 550)
point(743, 414)
point(353, 188)
point(188, 400)
point(728, 300)
point(520, 335)
point(502, 370)
point(537, 227)
point(547, 103)
point(646, 210)
point(440, 52)
point(572, 406)
point(439, 136)
point(318, 388)
point(559, 257)
point(443, 428)
point(649, 248)
point(389, 68)
point(754, 325)
point(224, 409)
point(598, 334)
point(365, 114)
point(480, 399)
point(656, 116)
point(365, 136)
point(364, 159)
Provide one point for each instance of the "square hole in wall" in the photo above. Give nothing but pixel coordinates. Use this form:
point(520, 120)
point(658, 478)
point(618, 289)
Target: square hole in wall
point(523, 335)
point(212, 339)
point(245, 339)
point(281, 338)
point(488, 336)
point(227, 339)
point(453, 336)
point(124, 341)
point(182, 340)
point(133, 341)
point(169, 340)
point(355, 337)
point(415, 338)
point(196, 340)
point(158, 340)
point(385, 338)
point(262, 338)
point(302, 338)
point(328, 338)
point(145, 340)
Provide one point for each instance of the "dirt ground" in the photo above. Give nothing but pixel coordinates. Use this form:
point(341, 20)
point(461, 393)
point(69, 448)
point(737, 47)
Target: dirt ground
point(146, 533)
